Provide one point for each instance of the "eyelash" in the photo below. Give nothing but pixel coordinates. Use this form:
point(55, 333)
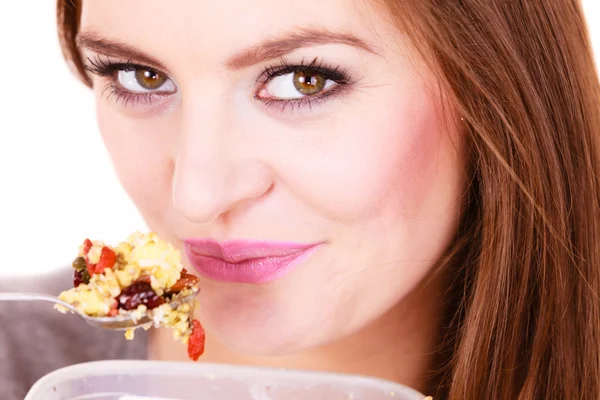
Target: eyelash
point(109, 69)
point(335, 74)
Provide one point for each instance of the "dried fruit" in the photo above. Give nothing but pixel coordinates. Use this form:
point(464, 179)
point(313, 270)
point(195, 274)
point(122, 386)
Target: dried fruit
point(145, 279)
point(185, 281)
point(139, 293)
point(196, 341)
point(80, 277)
point(87, 245)
point(114, 311)
point(108, 258)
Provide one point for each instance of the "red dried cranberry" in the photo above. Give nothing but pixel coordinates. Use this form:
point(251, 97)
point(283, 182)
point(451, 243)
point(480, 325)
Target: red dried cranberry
point(77, 278)
point(139, 293)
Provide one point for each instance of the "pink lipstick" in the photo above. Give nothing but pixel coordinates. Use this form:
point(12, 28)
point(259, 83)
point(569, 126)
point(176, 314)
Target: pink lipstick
point(245, 261)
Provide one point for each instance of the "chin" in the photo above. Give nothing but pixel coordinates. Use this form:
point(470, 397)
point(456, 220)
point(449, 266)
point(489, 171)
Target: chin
point(256, 344)
point(257, 325)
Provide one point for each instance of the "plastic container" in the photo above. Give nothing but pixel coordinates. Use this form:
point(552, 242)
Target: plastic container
point(156, 380)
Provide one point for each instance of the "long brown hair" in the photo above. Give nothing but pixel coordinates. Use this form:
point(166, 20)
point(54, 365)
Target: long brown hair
point(524, 308)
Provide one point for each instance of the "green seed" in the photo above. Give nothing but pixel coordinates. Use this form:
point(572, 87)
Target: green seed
point(85, 277)
point(79, 264)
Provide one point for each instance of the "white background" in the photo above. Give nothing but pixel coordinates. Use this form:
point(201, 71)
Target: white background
point(57, 183)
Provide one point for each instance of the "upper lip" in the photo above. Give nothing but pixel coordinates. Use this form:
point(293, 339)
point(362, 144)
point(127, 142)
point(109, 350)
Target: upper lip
point(237, 251)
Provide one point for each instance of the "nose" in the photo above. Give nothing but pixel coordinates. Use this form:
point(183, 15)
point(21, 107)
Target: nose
point(214, 174)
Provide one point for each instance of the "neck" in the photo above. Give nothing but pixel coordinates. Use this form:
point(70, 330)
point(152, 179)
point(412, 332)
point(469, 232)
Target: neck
point(399, 346)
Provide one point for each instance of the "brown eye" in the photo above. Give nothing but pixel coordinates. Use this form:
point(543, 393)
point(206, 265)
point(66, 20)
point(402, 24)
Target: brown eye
point(149, 79)
point(145, 80)
point(309, 83)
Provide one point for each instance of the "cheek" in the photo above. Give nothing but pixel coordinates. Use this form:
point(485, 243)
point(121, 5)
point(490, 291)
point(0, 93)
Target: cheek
point(381, 158)
point(387, 179)
point(141, 158)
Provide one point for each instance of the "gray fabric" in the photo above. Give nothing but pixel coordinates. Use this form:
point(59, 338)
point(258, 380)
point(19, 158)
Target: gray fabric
point(35, 339)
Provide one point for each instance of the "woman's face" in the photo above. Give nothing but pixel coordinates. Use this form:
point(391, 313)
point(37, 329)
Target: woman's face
point(296, 152)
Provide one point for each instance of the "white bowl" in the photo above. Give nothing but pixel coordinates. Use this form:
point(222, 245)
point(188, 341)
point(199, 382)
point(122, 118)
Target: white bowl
point(156, 380)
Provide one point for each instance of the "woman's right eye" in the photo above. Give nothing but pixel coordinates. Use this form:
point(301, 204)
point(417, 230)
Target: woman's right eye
point(144, 80)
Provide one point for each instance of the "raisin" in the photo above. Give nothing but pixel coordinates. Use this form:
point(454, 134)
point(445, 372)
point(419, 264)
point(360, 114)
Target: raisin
point(145, 279)
point(139, 293)
point(79, 264)
point(80, 277)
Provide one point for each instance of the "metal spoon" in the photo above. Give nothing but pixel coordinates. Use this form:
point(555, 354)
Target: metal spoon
point(120, 322)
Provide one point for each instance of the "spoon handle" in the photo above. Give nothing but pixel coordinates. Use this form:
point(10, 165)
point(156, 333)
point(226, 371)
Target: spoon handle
point(18, 296)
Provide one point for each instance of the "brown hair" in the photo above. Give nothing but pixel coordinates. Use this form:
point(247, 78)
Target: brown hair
point(524, 309)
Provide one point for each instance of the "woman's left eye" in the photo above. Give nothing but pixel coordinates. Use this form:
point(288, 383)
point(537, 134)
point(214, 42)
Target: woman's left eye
point(296, 85)
point(144, 80)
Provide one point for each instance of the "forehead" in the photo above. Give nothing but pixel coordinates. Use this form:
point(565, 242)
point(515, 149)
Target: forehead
point(224, 26)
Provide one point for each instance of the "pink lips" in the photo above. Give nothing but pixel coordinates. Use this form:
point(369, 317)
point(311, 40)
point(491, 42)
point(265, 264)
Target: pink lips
point(245, 261)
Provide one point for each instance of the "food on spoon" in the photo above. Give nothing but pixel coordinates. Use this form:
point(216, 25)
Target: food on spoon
point(140, 276)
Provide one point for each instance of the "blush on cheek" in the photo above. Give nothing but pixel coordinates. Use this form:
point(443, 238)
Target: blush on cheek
point(421, 163)
point(388, 157)
point(427, 163)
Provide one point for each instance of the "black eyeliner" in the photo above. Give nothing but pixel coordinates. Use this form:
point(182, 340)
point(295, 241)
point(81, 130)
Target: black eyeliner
point(335, 74)
point(108, 69)
point(314, 67)
point(102, 67)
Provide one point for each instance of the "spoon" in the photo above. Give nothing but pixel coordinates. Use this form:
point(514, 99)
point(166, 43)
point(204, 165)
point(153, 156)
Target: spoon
point(119, 322)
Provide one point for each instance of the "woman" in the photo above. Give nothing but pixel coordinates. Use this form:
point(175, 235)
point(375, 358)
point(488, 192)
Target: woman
point(402, 189)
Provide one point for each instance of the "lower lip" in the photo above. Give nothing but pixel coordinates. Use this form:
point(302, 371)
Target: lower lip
point(254, 271)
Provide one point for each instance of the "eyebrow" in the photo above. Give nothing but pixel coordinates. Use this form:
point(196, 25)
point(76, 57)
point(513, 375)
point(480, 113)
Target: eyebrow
point(268, 50)
point(281, 46)
point(105, 46)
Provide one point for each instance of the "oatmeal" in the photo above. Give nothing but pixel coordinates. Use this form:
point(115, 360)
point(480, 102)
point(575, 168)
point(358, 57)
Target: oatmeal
point(140, 276)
